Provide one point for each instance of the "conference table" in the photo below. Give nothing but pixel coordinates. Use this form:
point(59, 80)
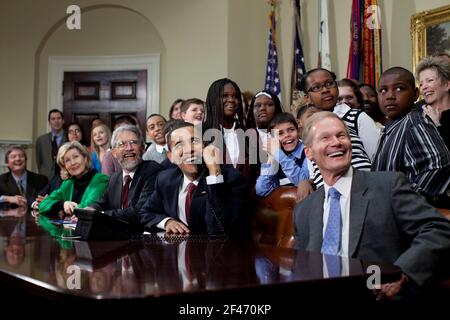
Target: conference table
point(42, 263)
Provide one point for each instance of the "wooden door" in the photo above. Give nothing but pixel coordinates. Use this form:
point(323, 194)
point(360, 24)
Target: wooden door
point(106, 95)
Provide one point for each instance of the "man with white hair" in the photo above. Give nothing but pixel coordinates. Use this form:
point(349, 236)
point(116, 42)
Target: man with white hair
point(374, 216)
point(128, 189)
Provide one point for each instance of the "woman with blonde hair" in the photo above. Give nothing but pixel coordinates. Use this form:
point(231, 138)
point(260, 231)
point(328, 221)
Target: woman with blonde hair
point(101, 137)
point(84, 185)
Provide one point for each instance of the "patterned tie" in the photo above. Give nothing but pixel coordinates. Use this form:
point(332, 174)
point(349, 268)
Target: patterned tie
point(125, 190)
point(332, 236)
point(187, 207)
point(333, 266)
point(20, 186)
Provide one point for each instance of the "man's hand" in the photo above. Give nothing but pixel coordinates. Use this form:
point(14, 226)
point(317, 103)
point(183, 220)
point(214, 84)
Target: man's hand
point(390, 290)
point(304, 189)
point(69, 206)
point(176, 227)
point(19, 200)
point(212, 158)
point(433, 113)
point(271, 146)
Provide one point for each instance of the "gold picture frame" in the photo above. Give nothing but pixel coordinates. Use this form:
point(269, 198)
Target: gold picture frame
point(429, 22)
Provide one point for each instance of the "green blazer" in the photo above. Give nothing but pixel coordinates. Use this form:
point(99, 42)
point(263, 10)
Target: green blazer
point(92, 193)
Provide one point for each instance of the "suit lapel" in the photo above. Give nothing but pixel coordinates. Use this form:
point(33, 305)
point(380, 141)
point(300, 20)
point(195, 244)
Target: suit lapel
point(198, 209)
point(173, 191)
point(358, 210)
point(117, 191)
point(316, 218)
point(30, 185)
point(12, 185)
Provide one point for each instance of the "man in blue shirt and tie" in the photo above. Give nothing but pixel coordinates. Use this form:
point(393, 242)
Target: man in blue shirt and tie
point(19, 186)
point(373, 216)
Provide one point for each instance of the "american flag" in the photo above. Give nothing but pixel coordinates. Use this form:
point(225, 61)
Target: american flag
point(298, 64)
point(272, 82)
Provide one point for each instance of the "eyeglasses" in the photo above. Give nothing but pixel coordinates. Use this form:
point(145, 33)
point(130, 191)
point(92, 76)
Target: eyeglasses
point(74, 131)
point(123, 144)
point(318, 87)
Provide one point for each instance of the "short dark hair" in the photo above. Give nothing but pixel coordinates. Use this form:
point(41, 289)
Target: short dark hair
point(401, 71)
point(126, 118)
point(156, 115)
point(175, 126)
point(83, 140)
point(301, 111)
point(284, 117)
point(303, 82)
point(53, 111)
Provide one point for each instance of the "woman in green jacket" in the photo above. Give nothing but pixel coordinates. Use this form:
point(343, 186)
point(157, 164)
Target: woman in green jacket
point(84, 186)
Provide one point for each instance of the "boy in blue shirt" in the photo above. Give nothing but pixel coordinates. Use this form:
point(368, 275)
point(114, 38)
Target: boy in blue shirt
point(286, 164)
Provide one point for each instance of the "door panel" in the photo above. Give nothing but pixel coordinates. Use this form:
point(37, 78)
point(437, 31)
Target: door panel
point(106, 95)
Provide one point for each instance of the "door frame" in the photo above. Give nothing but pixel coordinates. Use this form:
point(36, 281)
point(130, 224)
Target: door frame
point(57, 65)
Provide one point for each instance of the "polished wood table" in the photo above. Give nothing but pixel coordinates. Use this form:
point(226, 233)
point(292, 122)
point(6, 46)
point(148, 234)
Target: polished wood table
point(40, 264)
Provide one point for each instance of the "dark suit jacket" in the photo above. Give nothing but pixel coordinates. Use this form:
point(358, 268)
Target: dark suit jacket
point(141, 188)
point(44, 158)
point(224, 202)
point(388, 223)
point(35, 182)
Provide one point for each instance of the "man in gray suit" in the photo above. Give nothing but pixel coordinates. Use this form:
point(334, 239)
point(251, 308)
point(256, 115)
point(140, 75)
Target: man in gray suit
point(47, 145)
point(374, 216)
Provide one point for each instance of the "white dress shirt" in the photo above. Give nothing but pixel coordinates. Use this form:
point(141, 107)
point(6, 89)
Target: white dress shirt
point(182, 193)
point(232, 144)
point(161, 148)
point(131, 174)
point(343, 185)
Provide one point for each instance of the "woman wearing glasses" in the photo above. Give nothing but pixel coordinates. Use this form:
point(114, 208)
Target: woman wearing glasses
point(84, 185)
point(320, 88)
point(76, 133)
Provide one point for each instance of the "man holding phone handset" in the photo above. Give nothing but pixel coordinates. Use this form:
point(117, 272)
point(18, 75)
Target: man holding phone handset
point(199, 196)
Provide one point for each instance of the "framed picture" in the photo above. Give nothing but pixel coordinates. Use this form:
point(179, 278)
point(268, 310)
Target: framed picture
point(430, 33)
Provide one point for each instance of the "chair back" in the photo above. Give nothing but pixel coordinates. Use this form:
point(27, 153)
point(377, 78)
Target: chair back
point(273, 220)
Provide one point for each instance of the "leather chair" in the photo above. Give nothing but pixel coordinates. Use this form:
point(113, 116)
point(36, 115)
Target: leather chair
point(273, 220)
point(444, 212)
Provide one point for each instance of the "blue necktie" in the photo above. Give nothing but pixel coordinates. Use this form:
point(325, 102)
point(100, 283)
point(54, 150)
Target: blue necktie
point(332, 237)
point(333, 266)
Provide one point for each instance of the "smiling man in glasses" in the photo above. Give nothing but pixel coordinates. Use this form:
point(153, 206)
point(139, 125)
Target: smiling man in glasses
point(129, 188)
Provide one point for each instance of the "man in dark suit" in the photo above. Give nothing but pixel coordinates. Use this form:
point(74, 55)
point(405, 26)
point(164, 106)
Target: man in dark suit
point(198, 196)
point(19, 186)
point(374, 216)
point(47, 145)
point(119, 200)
